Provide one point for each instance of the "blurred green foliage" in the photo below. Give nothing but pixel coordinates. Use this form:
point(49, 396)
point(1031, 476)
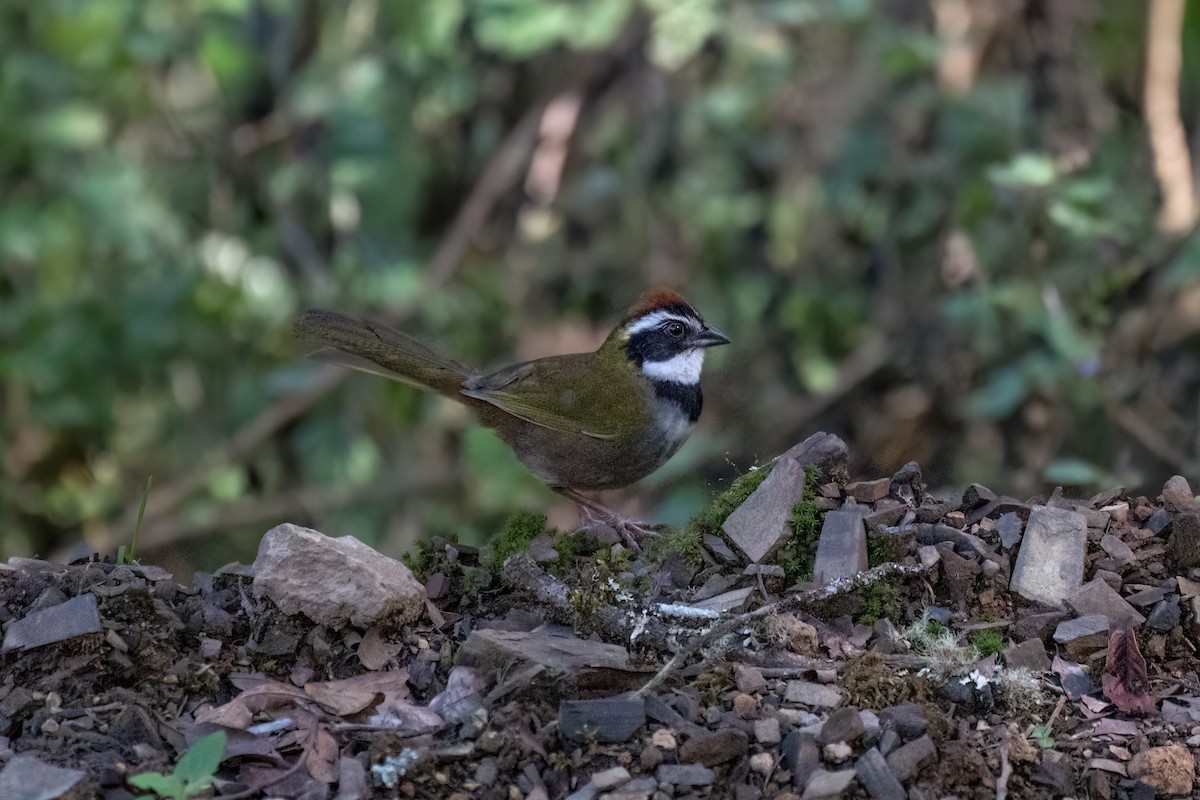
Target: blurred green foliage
point(967, 274)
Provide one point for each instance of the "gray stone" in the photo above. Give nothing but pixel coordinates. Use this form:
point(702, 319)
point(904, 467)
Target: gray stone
point(1111, 578)
point(906, 760)
point(607, 779)
point(727, 601)
point(1072, 629)
point(1164, 616)
point(334, 581)
point(1158, 521)
point(1030, 654)
point(1050, 564)
point(749, 678)
point(843, 725)
point(826, 452)
point(1117, 549)
point(799, 754)
point(842, 548)
point(1177, 494)
point(685, 775)
point(1147, 597)
point(1010, 527)
point(76, 617)
point(886, 516)
point(1097, 597)
point(716, 545)
point(608, 719)
point(876, 777)
point(889, 740)
point(1037, 625)
point(907, 719)
point(812, 694)
point(761, 523)
point(766, 731)
point(825, 785)
point(27, 778)
point(976, 496)
point(928, 555)
point(541, 548)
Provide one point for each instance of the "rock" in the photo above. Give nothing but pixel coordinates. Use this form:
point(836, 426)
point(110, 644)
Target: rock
point(563, 654)
point(766, 731)
point(842, 548)
point(905, 761)
point(1164, 616)
point(826, 452)
point(977, 496)
point(1159, 521)
point(869, 491)
point(334, 581)
point(1117, 549)
point(1010, 527)
point(1088, 625)
point(608, 719)
point(907, 719)
point(836, 752)
point(1177, 494)
point(1111, 578)
point(1169, 769)
point(25, 777)
point(1037, 625)
point(908, 486)
point(1183, 546)
point(1051, 560)
point(812, 694)
point(843, 725)
point(1147, 597)
point(876, 777)
point(749, 678)
point(761, 523)
point(799, 754)
point(825, 785)
point(799, 636)
point(716, 545)
point(609, 778)
point(885, 515)
point(727, 601)
point(762, 763)
point(888, 639)
point(685, 775)
point(68, 620)
point(745, 706)
point(1054, 770)
point(1030, 654)
point(928, 556)
point(715, 748)
point(1097, 597)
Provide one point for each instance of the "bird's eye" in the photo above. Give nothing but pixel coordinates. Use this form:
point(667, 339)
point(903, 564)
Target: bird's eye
point(674, 329)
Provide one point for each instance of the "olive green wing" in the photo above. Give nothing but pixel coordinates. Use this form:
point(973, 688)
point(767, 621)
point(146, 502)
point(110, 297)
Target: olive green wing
point(563, 393)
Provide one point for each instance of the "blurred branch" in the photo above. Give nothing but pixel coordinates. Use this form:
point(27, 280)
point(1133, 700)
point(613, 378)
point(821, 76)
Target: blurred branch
point(1150, 437)
point(963, 29)
point(1168, 140)
point(866, 359)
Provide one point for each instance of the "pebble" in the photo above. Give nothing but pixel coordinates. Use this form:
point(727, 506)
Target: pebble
point(1177, 494)
point(825, 784)
point(1170, 769)
point(685, 775)
point(749, 679)
point(745, 706)
point(664, 738)
point(812, 694)
point(762, 763)
point(767, 732)
point(843, 725)
point(609, 778)
point(836, 752)
point(711, 749)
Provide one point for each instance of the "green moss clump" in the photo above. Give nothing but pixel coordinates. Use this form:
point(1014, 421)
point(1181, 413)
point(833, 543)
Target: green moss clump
point(988, 642)
point(428, 557)
point(709, 520)
point(684, 542)
point(885, 549)
point(800, 550)
point(518, 531)
point(880, 600)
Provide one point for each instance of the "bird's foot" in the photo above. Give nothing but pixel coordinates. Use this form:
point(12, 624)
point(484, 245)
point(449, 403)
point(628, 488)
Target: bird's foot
point(629, 530)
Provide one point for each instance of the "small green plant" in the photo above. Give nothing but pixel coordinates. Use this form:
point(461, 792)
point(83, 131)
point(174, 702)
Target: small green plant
point(988, 642)
point(193, 772)
point(684, 542)
point(1043, 736)
point(128, 555)
point(518, 531)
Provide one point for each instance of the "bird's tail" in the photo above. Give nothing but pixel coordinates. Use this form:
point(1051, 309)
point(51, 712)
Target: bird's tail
point(379, 350)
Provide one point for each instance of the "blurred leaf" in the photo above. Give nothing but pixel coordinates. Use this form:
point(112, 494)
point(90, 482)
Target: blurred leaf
point(1025, 170)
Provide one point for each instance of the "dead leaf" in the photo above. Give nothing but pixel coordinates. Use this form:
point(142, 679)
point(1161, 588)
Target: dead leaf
point(352, 695)
point(321, 759)
point(374, 652)
point(239, 712)
point(1125, 681)
point(1114, 727)
point(461, 697)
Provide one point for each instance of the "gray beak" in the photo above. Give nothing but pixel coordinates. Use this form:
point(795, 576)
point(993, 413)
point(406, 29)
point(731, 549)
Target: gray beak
point(709, 337)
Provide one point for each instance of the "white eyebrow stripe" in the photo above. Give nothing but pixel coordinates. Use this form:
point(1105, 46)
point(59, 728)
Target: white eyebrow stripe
point(656, 318)
point(684, 368)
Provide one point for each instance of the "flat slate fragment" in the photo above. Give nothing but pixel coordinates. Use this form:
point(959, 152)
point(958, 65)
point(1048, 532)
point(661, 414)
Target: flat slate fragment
point(609, 719)
point(26, 778)
point(761, 523)
point(842, 548)
point(1097, 597)
point(876, 777)
point(76, 617)
point(1050, 564)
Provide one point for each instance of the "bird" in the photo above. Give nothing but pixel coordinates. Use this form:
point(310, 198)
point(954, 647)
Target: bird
point(581, 422)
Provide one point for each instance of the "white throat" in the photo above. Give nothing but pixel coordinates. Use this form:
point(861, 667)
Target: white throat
point(683, 368)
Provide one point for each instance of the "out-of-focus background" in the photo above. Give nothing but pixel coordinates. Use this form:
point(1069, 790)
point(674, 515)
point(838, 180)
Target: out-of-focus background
point(948, 230)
